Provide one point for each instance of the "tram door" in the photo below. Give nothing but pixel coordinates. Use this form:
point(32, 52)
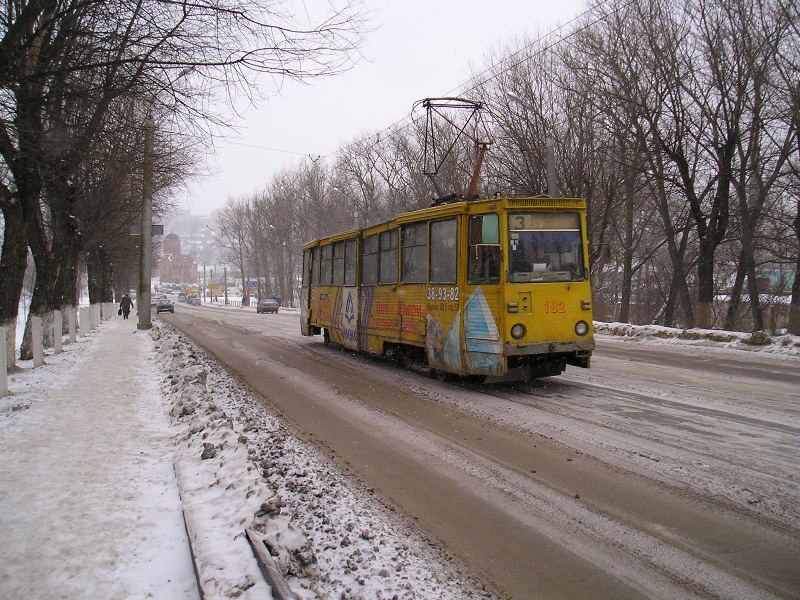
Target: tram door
point(483, 326)
point(305, 292)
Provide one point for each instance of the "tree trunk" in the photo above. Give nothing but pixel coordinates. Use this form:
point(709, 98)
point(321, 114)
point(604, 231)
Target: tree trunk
point(794, 305)
point(100, 275)
point(627, 259)
point(13, 262)
point(677, 253)
point(705, 284)
point(67, 242)
point(752, 288)
point(735, 296)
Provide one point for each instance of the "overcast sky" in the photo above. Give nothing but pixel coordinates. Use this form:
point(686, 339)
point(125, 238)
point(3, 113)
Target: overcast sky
point(416, 49)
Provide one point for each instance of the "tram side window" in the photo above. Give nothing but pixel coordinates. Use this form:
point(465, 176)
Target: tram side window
point(444, 250)
point(388, 269)
point(484, 249)
point(338, 263)
point(314, 266)
point(326, 265)
point(369, 260)
point(306, 265)
point(350, 262)
point(415, 245)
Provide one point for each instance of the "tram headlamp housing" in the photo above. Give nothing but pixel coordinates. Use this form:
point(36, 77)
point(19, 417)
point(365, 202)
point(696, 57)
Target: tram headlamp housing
point(581, 328)
point(518, 331)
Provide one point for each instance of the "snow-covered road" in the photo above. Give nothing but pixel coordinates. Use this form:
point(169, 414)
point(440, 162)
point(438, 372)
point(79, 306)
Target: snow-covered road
point(652, 475)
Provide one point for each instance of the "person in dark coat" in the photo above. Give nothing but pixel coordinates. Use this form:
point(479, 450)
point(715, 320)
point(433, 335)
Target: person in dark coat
point(126, 304)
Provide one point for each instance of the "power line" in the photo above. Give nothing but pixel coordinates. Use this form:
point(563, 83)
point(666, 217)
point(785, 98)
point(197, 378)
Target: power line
point(476, 80)
point(268, 148)
point(495, 75)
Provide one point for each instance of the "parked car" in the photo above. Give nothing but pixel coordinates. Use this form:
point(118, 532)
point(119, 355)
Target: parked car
point(267, 305)
point(193, 299)
point(164, 305)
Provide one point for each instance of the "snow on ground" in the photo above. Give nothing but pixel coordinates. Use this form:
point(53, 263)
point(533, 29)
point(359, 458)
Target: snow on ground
point(329, 536)
point(89, 507)
point(102, 447)
point(735, 340)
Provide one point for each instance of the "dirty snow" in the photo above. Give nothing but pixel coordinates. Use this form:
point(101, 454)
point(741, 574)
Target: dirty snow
point(102, 447)
point(106, 450)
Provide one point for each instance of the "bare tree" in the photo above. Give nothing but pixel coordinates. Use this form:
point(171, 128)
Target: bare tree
point(65, 65)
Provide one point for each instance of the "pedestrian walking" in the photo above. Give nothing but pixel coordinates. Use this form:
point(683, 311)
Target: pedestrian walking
point(125, 306)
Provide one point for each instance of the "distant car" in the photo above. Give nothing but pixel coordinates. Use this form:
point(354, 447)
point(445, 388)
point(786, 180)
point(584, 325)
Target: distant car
point(267, 305)
point(193, 300)
point(181, 297)
point(164, 305)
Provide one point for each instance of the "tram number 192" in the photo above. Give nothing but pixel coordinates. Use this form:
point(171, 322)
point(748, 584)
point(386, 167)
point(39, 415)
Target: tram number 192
point(555, 307)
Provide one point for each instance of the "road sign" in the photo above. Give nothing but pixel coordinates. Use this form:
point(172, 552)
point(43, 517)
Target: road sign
point(137, 229)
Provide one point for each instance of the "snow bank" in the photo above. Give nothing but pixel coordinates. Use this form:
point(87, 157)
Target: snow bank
point(758, 341)
point(239, 466)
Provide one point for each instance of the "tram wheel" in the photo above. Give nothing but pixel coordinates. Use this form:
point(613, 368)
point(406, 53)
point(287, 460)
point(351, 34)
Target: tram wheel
point(443, 375)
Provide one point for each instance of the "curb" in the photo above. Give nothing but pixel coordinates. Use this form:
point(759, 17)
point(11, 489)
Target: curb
point(270, 570)
point(189, 538)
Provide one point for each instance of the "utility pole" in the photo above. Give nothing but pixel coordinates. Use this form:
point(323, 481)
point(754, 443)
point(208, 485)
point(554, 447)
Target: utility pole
point(287, 276)
point(204, 283)
point(146, 250)
point(225, 282)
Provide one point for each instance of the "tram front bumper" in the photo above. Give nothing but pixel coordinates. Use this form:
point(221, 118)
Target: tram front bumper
point(581, 347)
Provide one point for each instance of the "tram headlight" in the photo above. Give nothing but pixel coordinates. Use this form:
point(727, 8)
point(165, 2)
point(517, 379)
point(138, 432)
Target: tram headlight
point(518, 331)
point(581, 328)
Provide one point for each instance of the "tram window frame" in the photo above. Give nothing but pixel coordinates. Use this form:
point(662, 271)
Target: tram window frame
point(446, 255)
point(414, 253)
point(387, 269)
point(306, 265)
point(350, 262)
point(338, 263)
point(326, 264)
point(484, 257)
point(369, 260)
point(315, 265)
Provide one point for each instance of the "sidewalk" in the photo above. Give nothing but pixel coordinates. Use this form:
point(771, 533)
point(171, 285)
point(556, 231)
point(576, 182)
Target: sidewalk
point(89, 505)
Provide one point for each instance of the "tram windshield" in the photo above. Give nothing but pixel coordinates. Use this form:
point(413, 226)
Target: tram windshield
point(545, 247)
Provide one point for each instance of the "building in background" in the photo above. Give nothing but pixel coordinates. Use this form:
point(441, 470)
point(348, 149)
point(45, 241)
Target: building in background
point(197, 237)
point(175, 267)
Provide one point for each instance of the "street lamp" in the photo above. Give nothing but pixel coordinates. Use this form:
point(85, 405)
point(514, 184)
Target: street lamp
point(550, 146)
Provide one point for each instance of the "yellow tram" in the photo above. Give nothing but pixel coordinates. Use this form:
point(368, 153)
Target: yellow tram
point(497, 288)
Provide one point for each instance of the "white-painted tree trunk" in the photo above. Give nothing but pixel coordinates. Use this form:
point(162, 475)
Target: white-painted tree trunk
point(58, 331)
point(3, 368)
point(36, 341)
point(10, 344)
point(72, 322)
point(83, 323)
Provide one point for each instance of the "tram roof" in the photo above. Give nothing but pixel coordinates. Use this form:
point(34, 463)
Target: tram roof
point(462, 206)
